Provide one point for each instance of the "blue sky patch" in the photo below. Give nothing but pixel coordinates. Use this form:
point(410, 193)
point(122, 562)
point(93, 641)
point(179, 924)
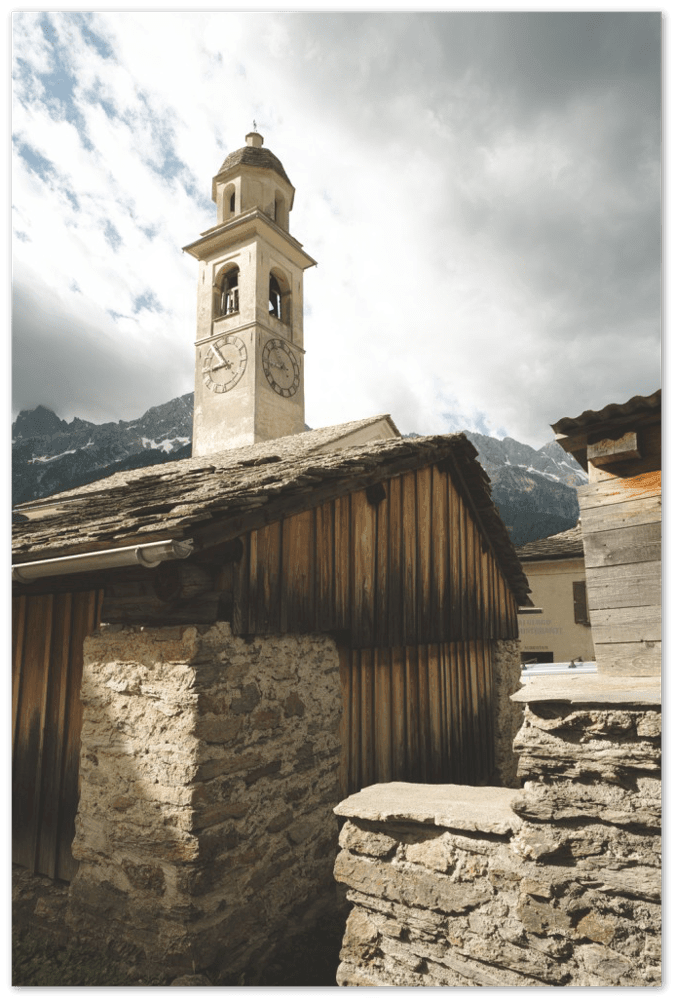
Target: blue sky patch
point(148, 300)
point(38, 163)
point(112, 236)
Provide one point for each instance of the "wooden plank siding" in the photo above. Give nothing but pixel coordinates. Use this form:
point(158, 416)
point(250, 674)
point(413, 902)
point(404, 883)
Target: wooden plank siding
point(48, 636)
point(410, 567)
point(417, 713)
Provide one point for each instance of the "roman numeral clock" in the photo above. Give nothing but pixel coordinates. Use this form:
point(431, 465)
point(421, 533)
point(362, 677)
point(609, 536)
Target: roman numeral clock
point(249, 349)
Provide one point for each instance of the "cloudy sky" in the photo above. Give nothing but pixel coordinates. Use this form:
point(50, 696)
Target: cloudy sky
point(481, 193)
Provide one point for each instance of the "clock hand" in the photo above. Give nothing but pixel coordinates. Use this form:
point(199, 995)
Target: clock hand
point(223, 362)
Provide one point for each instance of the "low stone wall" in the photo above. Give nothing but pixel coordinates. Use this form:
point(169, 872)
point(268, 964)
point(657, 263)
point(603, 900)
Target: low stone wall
point(209, 767)
point(556, 885)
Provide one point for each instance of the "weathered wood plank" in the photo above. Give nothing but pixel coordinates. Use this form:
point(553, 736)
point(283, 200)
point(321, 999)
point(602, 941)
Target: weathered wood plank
point(368, 773)
point(435, 728)
point(18, 643)
point(634, 585)
point(425, 552)
point(325, 567)
point(355, 772)
point(54, 737)
point(297, 592)
point(615, 490)
point(382, 720)
point(640, 624)
point(342, 579)
point(264, 611)
point(455, 561)
point(240, 590)
point(26, 762)
point(45, 684)
point(624, 471)
point(440, 597)
point(364, 529)
point(621, 515)
point(636, 659)
point(395, 582)
point(411, 622)
point(412, 713)
point(424, 737)
point(608, 451)
point(383, 576)
point(399, 732)
point(639, 544)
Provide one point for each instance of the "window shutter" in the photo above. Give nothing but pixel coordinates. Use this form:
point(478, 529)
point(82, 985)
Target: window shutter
point(580, 603)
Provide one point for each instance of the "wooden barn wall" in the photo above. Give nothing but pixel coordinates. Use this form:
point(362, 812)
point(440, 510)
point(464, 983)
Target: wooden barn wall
point(396, 565)
point(48, 635)
point(621, 522)
point(417, 713)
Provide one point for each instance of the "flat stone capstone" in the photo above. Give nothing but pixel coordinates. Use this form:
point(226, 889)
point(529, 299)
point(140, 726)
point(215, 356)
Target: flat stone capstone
point(456, 807)
point(591, 689)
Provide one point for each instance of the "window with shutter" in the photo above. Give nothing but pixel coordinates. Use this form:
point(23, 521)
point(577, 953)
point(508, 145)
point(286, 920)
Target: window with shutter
point(580, 603)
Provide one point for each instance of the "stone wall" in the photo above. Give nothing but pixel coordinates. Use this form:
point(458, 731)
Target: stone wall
point(556, 885)
point(209, 768)
point(508, 715)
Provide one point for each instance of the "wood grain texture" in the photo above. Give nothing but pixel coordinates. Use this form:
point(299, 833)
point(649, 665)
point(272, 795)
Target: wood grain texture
point(621, 515)
point(629, 659)
point(45, 766)
point(634, 585)
point(643, 484)
point(638, 544)
point(642, 624)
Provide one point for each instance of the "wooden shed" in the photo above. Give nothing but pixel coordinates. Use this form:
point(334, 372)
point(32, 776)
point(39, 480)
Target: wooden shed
point(620, 445)
point(394, 548)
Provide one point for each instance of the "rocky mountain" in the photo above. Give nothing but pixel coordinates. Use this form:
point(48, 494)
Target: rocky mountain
point(50, 455)
point(533, 489)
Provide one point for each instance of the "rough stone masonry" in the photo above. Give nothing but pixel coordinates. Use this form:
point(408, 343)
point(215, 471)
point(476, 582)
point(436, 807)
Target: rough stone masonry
point(209, 766)
point(556, 885)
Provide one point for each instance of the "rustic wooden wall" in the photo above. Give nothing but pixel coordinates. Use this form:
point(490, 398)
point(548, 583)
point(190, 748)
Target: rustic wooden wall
point(417, 713)
point(621, 521)
point(399, 564)
point(48, 636)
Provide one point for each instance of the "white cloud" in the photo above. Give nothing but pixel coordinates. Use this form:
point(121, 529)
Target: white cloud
point(486, 239)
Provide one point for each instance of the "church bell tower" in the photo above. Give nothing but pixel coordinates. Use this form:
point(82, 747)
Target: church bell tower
point(249, 370)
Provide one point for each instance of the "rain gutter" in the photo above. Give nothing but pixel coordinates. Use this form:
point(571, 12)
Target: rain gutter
point(151, 554)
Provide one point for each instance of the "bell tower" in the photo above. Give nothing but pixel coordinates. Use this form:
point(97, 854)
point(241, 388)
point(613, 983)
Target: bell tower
point(249, 370)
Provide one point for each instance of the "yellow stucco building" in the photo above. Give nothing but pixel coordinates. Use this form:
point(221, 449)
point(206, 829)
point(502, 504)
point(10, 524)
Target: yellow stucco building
point(556, 573)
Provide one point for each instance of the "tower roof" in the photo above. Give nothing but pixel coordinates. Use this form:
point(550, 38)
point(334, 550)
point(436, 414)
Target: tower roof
point(254, 156)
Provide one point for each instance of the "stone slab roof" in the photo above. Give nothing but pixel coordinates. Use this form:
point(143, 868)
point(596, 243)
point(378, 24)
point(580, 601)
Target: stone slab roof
point(218, 497)
point(564, 545)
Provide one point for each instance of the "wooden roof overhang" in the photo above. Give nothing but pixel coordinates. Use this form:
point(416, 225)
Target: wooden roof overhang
point(576, 434)
point(214, 501)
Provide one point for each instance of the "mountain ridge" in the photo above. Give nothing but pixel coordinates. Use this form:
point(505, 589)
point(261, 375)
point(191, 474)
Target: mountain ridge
point(534, 489)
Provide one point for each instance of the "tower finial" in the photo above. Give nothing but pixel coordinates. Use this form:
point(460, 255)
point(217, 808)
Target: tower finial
point(255, 127)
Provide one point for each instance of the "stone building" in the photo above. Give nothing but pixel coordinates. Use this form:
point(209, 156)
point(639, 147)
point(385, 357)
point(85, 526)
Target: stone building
point(560, 632)
point(559, 884)
point(208, 655)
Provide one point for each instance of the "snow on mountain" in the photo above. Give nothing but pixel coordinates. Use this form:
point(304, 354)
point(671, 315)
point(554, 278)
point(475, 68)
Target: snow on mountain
point(534, 489)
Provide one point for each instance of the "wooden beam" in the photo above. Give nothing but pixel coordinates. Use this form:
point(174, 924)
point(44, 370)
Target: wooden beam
point(608, 451)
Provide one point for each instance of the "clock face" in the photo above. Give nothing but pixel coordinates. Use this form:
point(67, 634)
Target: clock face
point(224, 363)
point(281, 367)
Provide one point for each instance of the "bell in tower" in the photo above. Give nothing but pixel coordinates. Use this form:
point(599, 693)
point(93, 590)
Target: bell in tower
point(249, 382)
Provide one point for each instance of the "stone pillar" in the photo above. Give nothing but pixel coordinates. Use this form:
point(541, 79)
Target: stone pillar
point(209, 768)
point(556, 885)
